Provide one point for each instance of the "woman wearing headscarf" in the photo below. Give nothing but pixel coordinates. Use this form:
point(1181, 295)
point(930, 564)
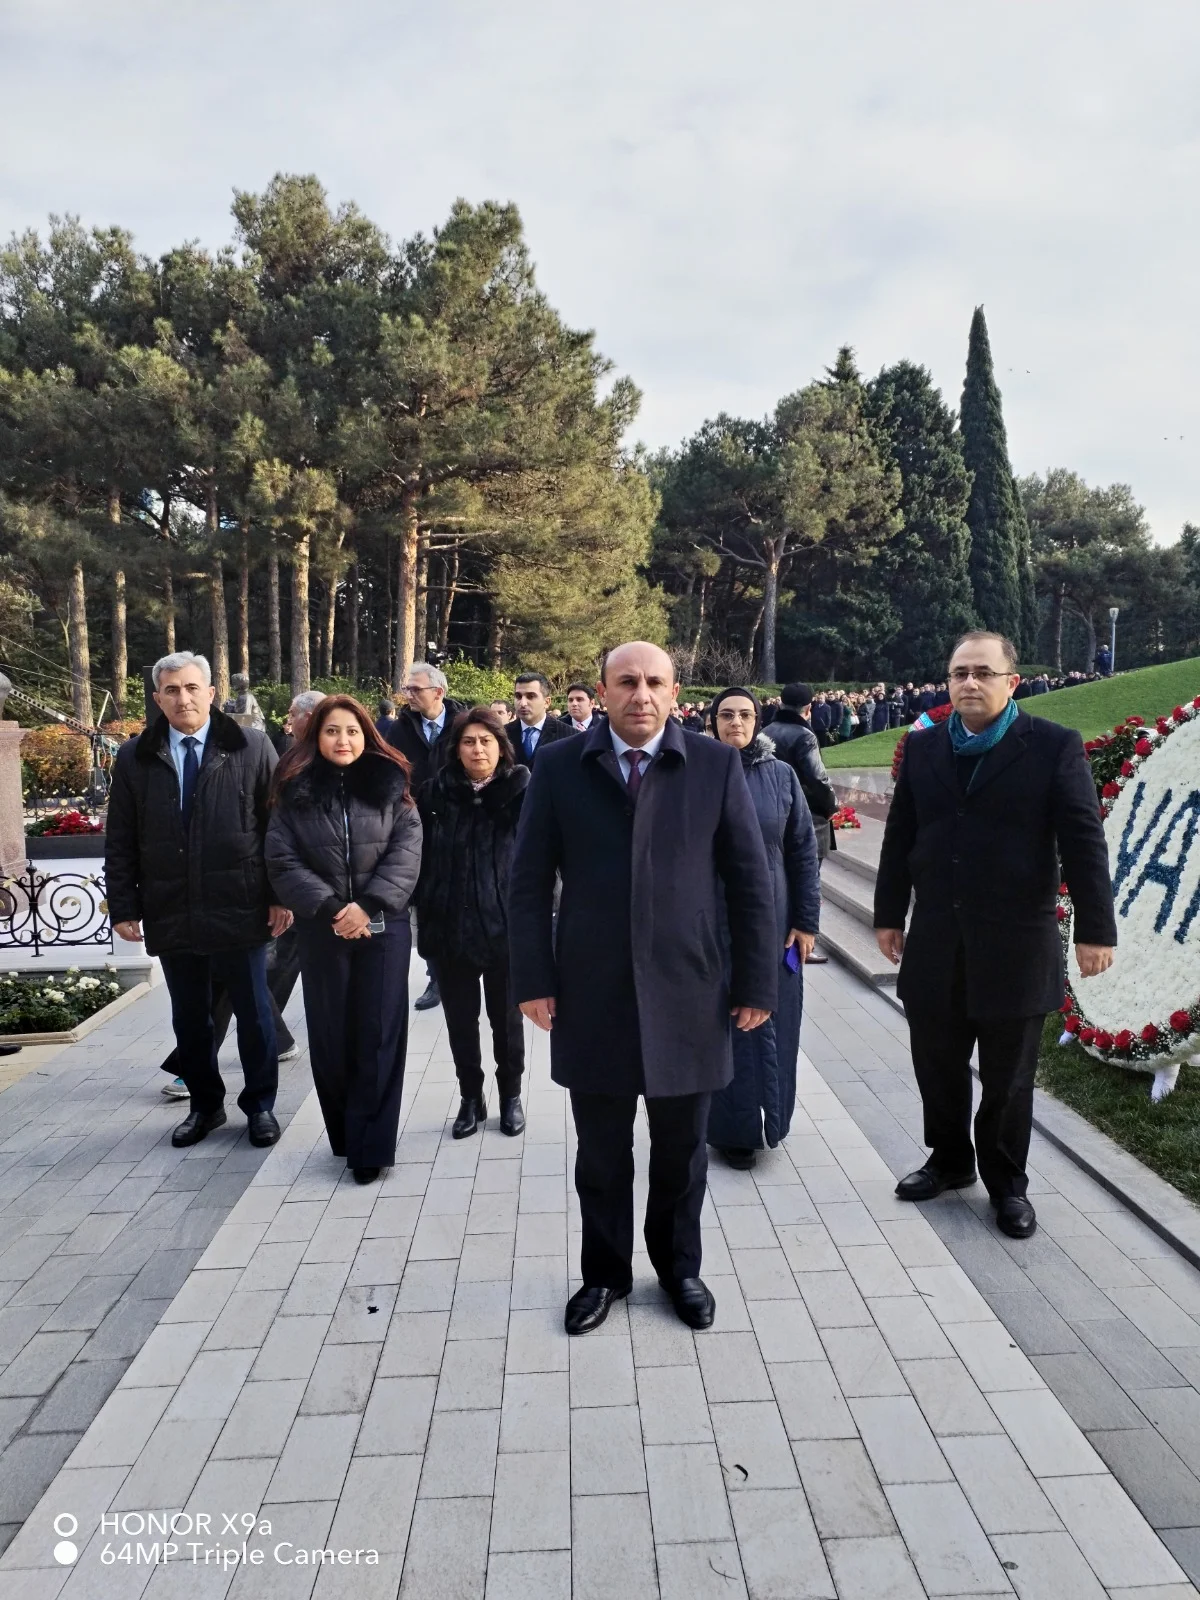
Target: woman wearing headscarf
point(757, 1106)
point(343, 853)
point(469, 810)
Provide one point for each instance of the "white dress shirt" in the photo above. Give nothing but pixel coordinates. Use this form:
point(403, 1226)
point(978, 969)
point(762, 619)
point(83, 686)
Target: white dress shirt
point(178, 753)
point(534, 728)
point(650, 749)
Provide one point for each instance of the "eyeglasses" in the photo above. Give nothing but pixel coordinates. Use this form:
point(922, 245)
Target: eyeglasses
point(980, 674)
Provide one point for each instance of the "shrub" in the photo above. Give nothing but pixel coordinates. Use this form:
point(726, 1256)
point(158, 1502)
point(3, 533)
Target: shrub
point(55, 761)
point(53, 1004)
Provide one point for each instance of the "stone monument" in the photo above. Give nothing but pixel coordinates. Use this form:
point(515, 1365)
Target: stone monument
point(12, 806)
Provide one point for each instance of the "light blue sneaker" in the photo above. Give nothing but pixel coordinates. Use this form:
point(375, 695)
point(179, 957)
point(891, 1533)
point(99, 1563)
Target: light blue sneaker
point(176, 1090)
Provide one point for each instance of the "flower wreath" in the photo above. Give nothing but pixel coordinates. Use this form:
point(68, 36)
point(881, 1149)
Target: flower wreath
point(1147, 1044)
point(927, 719)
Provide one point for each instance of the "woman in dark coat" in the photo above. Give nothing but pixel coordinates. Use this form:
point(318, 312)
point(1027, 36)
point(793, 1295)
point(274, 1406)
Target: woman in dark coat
point(759, 1102)
point(343, 853)
point(469, 811)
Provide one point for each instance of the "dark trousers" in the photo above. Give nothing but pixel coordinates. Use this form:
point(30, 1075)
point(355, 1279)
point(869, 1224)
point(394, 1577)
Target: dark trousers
point(242, 974)
point(283, 969)
point(604, 1182)
point(356, 1008)
point(459, 983)
point(942, 1043)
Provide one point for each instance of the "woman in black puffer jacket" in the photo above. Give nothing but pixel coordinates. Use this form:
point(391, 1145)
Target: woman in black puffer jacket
point(344, 853)
point(469, 811)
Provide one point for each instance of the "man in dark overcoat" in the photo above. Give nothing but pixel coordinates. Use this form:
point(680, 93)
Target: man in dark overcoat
point(992, 809)
point(649, 829)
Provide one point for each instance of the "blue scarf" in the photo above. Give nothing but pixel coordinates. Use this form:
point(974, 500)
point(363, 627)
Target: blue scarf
point(965, 743)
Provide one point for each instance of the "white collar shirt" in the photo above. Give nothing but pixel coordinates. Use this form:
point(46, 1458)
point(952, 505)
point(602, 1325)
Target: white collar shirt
point(178, 754)
point(650, 750)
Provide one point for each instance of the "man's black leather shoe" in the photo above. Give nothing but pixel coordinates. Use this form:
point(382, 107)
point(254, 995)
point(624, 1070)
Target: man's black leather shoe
point(264, 1129)
point(693, 1301)
point(470, 1114)
point(740, 1160)
point(1016, 1217)
point(587, 1308)
point(512, 1116)
point(198, 1125)
point(366, 1174)
point(927, 1181)
point(429, 999)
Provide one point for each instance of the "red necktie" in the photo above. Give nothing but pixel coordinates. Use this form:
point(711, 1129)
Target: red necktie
point(634, 781)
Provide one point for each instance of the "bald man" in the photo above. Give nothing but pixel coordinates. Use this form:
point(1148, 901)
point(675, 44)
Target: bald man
point(657, 844)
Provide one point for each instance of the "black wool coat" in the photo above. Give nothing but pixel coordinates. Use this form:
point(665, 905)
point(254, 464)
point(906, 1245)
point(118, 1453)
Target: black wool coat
point(407, 734)
point(342, 834)
point(203, 888)
point(636, 964)
point(462, 898)
point(553, 729)
point(985, 868)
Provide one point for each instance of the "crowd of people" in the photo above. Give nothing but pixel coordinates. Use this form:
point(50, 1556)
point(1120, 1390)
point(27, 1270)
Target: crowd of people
point(639, 878)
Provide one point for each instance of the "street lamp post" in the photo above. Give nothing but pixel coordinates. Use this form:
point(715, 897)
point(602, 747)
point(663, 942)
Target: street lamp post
point(1112, 647)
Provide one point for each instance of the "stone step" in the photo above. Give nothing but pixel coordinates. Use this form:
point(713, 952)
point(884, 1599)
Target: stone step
point(849, 884)
point(848, 941)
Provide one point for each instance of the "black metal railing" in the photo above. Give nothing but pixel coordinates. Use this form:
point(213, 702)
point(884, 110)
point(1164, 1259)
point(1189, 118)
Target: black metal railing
point(44, 912)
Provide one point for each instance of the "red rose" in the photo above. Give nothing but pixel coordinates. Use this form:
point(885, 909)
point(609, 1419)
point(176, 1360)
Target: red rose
point(1123, 1040)
point(1127, 769)
point(1111, 790)
point(1136, 722)
point(1061, 913)
point(1150, 1033)
point(1178, 714)
point(1143, 747)
point(1062, 889)
point(1072, 1025)
point(1196, 702)
point(1104, 1041)
point(1088, 1036)
point(1162, 725)
point(1067, 1007)
point(1181, 1022)
point(1120, 728)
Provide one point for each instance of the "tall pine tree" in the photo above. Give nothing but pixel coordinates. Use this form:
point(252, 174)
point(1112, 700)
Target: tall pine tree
point(930, 582)
point(999, 534)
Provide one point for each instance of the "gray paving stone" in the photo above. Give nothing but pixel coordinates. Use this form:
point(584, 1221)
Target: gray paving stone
point(447, 1550)
point(1034, 1323)
point(602, 1371)
point(898, 1440)
point(532, 1505)
point(211, 1386)
point(261, 1419)
point(472, 1375)
point(1003, 1492)
point(778, 1544)
point(1118, 1545)
point(1184, 1545)
point(1176, 1415)
point(72, 1404)
point(291, 1347)
point(842, 1489)
point(948, 1547)
point(1090, 1395)
point(810, 1402)
point(169, 1466)
point(414, 1344)
point(732, 1367)
point(41, 1362)
point(315, 1459)
point(700, 1571)
point(1127, 1354)
point(1042, 1430)
point(1048, 1566)
point(673, 1406)
point(752, 1445)
point(27, 1468)
point(687, 1494)
point(14, 1414)
point(460, 1457)
point(612, 1547)
point(1158, 1482)
point(124, 1330)
point(784, 1330)
point(341, 1380)
point(376, 1507)
point(873, 1569)
point(536, 1414)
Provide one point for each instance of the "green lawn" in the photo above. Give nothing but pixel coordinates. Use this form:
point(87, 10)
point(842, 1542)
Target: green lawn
point(1166, 1137)
point(1093, 709)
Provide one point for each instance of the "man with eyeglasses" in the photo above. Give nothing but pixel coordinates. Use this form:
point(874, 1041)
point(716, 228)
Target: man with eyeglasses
point(992, 810)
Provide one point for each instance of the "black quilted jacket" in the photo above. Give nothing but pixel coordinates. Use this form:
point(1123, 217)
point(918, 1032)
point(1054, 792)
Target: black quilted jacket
point(462, 901)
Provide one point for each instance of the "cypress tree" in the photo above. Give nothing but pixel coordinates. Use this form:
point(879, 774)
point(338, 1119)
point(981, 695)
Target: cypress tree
point(929, 578)
point(999, 533)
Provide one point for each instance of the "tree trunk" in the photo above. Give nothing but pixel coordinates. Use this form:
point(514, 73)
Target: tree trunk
point(301, 670)
point(495, 639)
point(274, 644)
point(770, 616)
point(352, 622)
point(389, 631)
point(448, 596)
point(216, 600)
point(120, 647)
point(1089, 623)
point(77, 637)
point(169, 611)
point(754, 627)
point(406, 589)
point(330, 622)
point(1056, 625)
point(698, 636)
point(421, 633)
point(244, 601)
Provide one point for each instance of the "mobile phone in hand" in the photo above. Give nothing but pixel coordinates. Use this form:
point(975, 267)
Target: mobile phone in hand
point(791, 958)
point(376, 924)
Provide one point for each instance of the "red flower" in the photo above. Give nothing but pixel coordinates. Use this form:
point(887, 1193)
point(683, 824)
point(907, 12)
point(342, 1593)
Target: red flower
point(1104, 1041)
point(1179, 714)
point(1196, 702)
point(1120, 728)
point(1111, 790)
point(1072, 1025)
point(1061, 913)
point(1136, 722)
point(1062, 889)
point(1127, 769)
point(1181, 1022)
point(1150, 1033)
point(1143, 747)
point(1123, 1040)
point(1088, 1036)
point(1163, 725)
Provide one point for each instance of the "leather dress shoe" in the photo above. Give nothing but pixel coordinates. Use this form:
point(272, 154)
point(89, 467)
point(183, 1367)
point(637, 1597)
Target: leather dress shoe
point(264, 1129)
point(366, 1174)
point(198, 1125)
point(693, 1301)
point(1016, 1217)
point(512, 1116)
point(470, 1114)
point(740, 1160)
point(587, 1308)
point(928, 1181)
point(429, 998)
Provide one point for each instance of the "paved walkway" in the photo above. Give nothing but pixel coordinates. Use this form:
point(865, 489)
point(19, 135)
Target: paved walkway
point(385, 1368)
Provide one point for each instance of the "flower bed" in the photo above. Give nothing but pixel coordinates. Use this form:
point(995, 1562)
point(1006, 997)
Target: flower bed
point(1144, 1012)
point(63, 825)
point(55, 1003)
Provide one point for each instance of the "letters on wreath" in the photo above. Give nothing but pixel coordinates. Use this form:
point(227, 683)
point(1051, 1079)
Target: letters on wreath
point(1144, 1012)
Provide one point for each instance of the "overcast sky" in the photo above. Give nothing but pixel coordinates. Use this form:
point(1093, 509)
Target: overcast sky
point(725, 192)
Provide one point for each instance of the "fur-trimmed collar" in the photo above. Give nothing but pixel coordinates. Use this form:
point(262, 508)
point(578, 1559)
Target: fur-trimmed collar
point(792, 716)
point(454, 787)
point(763, 749)
point(372, 779)
point(225, 733)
